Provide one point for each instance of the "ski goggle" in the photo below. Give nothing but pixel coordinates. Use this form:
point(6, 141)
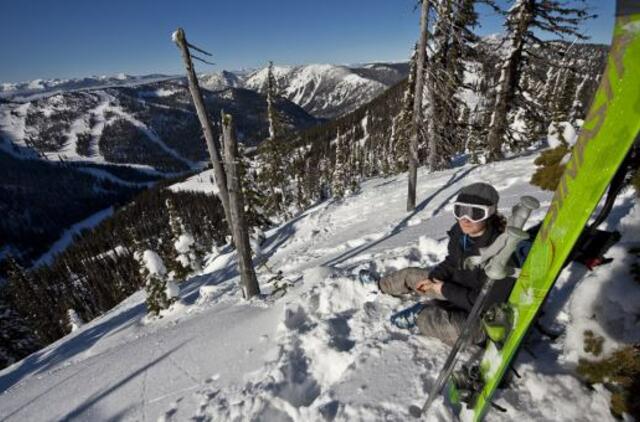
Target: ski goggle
point(473, 212)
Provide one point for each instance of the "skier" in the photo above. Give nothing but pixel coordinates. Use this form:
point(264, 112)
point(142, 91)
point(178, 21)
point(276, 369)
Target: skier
point(452, 287)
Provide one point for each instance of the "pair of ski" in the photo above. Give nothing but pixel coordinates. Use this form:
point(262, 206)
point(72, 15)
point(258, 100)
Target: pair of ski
point(610, 129)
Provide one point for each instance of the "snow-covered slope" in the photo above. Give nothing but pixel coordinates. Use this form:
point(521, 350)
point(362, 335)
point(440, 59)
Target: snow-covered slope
point(325, 350)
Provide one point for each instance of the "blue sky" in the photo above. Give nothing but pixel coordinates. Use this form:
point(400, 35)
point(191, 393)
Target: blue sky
point(74, 38)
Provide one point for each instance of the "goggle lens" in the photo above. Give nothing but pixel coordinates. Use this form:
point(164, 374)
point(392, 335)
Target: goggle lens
point(474, 214)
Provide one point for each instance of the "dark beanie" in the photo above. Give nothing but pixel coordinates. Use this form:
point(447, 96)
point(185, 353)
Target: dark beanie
point(479, 194)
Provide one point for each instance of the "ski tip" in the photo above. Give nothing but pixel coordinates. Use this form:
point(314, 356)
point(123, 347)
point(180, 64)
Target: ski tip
point(415, 411)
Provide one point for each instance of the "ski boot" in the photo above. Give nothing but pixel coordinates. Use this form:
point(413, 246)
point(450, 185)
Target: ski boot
point(406, 318)
point(497, 323)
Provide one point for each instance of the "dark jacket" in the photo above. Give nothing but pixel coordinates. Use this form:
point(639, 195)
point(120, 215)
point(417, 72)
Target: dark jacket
point(461, 287)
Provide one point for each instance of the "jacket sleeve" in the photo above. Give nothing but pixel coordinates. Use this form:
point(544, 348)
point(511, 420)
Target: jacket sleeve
point(444, 270)
point(464, 297)
point(460, 296)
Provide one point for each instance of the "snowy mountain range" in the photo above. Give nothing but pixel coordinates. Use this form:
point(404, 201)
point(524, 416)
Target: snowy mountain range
point(25, 90)
point(329, 91)
point(151, 124)
point(86, 119)
point(323, 90)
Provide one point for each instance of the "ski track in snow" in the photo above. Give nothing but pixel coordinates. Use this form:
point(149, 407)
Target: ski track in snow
point(152, 135)
point(67, 237)
point(323, 351)
point(12, 120)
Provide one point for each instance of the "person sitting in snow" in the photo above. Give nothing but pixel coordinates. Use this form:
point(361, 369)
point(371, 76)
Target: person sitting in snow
point(453, 288)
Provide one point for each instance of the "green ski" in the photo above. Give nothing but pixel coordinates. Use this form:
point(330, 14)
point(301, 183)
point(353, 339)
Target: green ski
point(610, 129)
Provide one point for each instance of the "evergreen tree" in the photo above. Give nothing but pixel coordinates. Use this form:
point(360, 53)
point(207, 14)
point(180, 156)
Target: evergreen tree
point(254, 199)
point(565, 93)
point(299, 167)
point(311, 179)
point(74, 320)
point(273, 168)
point(24, 295)
point(402, 124)
point(325, 168)
point(578, 108)
point(524, 47)
point(17, 338)
point(354, 164)
point(161, 292)
point(454, 45)
point(475, 141)
point(340, 181)
point(179, 265)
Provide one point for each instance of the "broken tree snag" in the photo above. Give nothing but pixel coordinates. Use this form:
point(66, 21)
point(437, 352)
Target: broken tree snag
point(212, 143)
point(239, 227)
point(417, 106)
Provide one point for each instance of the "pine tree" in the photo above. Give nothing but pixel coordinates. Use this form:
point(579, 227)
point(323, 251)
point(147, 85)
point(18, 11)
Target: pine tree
point(454, 45)
point(325, 168)
point(340, 181)
point(354, 164)
point(180, 264)
point(552, 17)
point(578, 108)
point(161, 293)
point(17, 338)
point(312, 175)
point(254, 199)
point(565, 94)
point(273, 169)
point(299, 167)
point(74, 320)
point(402, 124)
point(24, 296)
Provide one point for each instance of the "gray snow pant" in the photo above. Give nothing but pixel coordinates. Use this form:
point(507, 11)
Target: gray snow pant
point(439, 318)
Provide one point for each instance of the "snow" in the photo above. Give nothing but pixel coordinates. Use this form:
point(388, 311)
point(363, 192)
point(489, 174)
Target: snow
point(201, 182)
point(606, 302)
point(104, 174)
point(325, 350)
point(153, 263)
point(75, 322)
point(161, 92)
point(569, 134)
point(184, 243)
point(172, 290)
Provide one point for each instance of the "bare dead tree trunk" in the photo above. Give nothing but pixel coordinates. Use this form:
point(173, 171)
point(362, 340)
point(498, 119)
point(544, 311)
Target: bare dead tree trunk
point(212, 143)
point(417, 106)
point(240, 231)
